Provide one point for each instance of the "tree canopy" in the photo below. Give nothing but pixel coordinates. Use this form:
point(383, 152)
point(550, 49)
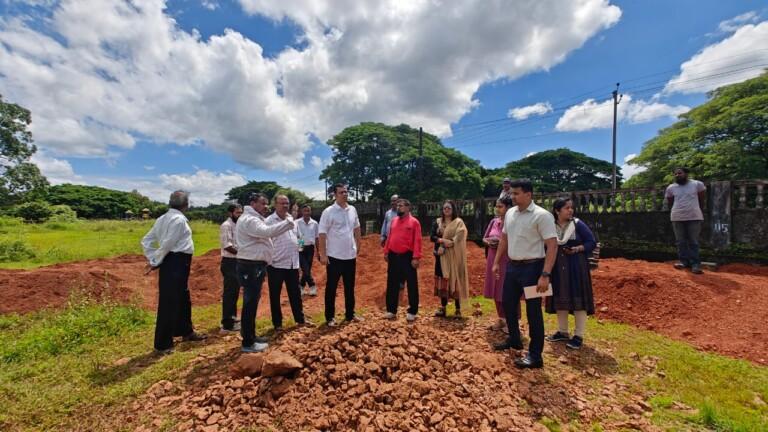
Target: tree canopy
point(377, 161)
point(725, 138)
point(94, 202)
point(560, 170)
point(20, 180)
point(269, 188)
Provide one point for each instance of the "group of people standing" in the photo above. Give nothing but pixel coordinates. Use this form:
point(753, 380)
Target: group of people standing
point(536, 254)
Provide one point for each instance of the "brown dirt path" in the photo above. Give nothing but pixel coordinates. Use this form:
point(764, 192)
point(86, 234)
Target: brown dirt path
point(719, 311)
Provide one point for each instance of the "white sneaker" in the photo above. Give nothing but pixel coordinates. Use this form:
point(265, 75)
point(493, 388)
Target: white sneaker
point(255, 348)
point(389, 316)
point(313, 291)
point(304, 292)
point(332, 323)
point(410, 317)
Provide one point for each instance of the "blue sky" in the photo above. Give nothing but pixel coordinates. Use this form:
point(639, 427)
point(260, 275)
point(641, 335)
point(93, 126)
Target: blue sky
point(204, 94)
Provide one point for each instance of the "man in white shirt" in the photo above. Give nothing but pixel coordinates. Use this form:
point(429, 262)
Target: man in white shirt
point(506, 188)
point(168, 246)
point(530, 240)
point(338, 246)
point(284, 267)
point(231, 291)
point(686, 198)
point(254, 253)
point(308, 233)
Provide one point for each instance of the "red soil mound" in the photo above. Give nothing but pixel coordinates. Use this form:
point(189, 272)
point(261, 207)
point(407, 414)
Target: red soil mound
point(719, 311)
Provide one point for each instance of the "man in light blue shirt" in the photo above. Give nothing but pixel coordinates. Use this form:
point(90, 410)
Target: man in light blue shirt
point(388, 216)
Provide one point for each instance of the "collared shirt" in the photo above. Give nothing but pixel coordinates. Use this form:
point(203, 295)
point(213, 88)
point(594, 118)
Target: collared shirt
point(386, 225)
point(526, 231)
point(254, 237)
point(686, 206)
point(308, 231)
point(338, 224)
point(227, 238)
point(285, 253)
point(404, 236)
point(172, 233)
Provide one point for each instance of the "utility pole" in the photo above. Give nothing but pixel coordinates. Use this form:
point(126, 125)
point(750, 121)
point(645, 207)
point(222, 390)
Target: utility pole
point(421, 159)
point(616, 100)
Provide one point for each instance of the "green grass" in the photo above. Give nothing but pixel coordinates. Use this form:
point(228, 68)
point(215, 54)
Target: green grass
point(729, 394)
point(58, 242)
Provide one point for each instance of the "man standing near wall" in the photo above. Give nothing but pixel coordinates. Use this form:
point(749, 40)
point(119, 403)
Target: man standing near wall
point(231, 291)
point(308, 231)
point(168, 246)
point(402, 251)
point(686, 198)
point(386, 225)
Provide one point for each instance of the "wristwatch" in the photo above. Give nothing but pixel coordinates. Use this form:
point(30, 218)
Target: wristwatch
point(545, 274)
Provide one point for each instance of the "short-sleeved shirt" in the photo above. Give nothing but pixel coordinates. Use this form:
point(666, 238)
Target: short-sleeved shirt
point(686, 205)
point(338, 224)
point(526, 231)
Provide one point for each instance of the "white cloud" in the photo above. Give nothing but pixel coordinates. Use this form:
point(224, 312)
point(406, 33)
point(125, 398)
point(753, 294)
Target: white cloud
point(522, 113)
point(733, 24)
point(205, 187)
point(101, 73)
point(317, 162)
point(739, 57)
point(591, 114)
point(628, 170)
point(529, 154)
point(149, 167)
point(210, 4)
point(57, 171)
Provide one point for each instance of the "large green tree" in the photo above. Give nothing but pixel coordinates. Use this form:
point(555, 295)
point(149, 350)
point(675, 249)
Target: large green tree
point(94, 202)
point(725, 138)
point(20, 180)
point(558, 171)
point(269, 188)
point(377, 160)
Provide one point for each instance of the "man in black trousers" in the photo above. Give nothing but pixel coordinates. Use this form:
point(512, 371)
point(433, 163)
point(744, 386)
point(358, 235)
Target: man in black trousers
point(168, 246)
point(231, 291)
point(402, 251)
point(530, 240)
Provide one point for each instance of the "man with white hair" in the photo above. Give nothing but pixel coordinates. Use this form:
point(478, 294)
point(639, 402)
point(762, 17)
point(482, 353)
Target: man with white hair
point(168, 246)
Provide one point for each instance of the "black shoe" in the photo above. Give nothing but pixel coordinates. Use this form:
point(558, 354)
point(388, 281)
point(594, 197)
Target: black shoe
point(260, 339)
point(194, 337)
point(575, 343)
point(507, 344)
point(528, 363)
point(558, 337)
point(696, 270)
point(680, 265)
point(440, 312)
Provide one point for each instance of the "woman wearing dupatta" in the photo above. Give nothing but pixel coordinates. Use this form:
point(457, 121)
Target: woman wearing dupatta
point(571, 280)
point(450, 239)
point(494, 288)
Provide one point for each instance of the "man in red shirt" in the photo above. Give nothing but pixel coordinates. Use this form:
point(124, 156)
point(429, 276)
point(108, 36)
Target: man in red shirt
point(402, 251)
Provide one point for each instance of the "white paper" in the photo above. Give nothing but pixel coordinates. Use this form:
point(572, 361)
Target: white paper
point(531, 293)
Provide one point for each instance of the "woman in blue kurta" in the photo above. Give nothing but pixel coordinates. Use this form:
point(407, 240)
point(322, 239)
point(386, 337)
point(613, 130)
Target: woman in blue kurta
point(571, 280)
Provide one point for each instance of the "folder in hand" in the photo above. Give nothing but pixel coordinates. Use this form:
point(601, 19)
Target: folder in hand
point(531, 293)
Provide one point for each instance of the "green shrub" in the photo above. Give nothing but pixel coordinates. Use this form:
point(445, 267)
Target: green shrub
point(15, 250)
point(33, 211)
point(63, 213)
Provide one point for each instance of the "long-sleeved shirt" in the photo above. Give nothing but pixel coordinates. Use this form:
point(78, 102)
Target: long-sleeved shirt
point(227, 238)
point(285, 252)
point(254, 237)
point(386, 225)
point(404, 236)
point(171, 233)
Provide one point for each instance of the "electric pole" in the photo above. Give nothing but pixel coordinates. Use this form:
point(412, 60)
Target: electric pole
point(616, 100)
point(421, 159)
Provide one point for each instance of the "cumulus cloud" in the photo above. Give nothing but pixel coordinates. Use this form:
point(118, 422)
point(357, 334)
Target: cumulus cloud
point(57, 171)
point(99, 74)
point(735, 23)
point(206, 187)
point(522, 113)
point(739, 57)
point(210, 4)
point(628, 170)
point(592, 114)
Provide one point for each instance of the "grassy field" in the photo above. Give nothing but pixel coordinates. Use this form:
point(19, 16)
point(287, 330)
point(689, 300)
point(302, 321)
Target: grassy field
point(67, 366)
point(35, 245)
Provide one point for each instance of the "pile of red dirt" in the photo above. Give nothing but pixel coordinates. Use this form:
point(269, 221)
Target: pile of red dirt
point(719, 311)
point(433, 375)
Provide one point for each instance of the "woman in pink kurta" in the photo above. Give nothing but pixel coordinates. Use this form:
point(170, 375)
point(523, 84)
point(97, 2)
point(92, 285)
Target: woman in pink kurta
point(493, 288)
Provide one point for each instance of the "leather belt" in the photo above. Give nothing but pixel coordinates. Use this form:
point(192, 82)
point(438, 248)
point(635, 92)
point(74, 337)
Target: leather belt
point(526, 261)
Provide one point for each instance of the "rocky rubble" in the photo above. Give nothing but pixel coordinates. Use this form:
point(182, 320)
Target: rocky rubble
point(379, 375)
